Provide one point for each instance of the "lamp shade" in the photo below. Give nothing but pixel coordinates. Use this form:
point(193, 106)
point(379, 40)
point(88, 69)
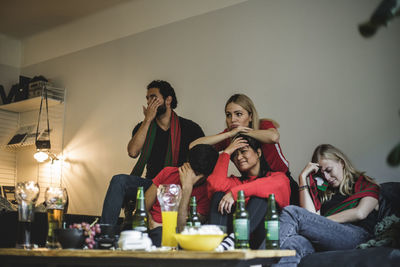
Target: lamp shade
point(41, 156)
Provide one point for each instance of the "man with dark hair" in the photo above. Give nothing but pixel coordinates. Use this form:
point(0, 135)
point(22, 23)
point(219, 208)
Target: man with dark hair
point(162, 139)
point(192, 177)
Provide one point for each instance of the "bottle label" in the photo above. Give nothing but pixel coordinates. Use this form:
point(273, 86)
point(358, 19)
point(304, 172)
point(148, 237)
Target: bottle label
point(241, 228)
point(272, 229)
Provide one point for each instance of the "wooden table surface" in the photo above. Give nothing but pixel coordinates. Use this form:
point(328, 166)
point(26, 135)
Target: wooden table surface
point(69, 257)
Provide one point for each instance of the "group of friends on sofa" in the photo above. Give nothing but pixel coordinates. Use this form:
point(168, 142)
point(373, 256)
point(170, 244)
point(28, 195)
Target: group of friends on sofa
point(339, 213)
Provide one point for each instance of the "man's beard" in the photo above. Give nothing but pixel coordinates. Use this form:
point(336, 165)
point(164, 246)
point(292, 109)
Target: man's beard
point(161, 110)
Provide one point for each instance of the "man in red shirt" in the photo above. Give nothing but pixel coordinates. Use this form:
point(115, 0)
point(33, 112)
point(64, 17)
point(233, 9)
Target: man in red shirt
point(191, 176)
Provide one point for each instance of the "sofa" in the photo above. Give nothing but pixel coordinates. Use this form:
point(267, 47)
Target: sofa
point(389, 203)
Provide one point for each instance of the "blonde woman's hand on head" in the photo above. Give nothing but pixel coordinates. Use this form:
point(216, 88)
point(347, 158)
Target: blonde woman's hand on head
point(239, 130)
point(235, 144)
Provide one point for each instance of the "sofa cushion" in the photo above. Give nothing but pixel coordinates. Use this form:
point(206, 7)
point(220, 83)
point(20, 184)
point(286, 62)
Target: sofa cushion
point(389, 200)
point(371, 257)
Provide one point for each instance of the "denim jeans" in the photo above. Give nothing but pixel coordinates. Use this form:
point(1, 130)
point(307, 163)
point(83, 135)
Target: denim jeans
point(121, 186)
point(307, 232)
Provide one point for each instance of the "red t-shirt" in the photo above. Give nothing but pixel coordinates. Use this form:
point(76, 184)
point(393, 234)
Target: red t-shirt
point(273, 183)
point(170, 175)
point(272, 152)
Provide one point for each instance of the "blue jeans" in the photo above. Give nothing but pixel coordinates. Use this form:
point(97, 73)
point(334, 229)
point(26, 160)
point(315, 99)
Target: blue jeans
point(307, 232)
point(121, 186)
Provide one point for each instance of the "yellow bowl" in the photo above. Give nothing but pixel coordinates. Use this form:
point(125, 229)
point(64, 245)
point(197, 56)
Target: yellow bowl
point(199, 242)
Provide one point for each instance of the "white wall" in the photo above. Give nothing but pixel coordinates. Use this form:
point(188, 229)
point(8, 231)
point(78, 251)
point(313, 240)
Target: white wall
point(303, 63)
point(10, 59)
point(10, 62)
point(10, 51)
point(117, 22)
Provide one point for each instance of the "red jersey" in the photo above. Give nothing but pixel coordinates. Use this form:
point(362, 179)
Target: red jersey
point(272, 152)
point(273, 183)
point(170, 175)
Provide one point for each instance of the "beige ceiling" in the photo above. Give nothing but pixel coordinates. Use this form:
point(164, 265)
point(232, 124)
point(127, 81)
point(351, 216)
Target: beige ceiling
point(22, 18)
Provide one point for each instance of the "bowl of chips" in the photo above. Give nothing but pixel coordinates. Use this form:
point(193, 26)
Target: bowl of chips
point(203, 238)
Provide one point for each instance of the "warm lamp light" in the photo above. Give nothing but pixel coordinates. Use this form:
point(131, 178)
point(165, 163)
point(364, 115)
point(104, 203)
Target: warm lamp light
point(43, 145)
point(41, 156)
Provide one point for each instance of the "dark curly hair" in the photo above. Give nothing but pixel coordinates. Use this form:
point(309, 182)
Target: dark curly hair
point(255, 145)
point(202, 159)
point(165, 89)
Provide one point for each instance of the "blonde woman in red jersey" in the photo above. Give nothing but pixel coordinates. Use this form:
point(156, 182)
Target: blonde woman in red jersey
point(242, 118)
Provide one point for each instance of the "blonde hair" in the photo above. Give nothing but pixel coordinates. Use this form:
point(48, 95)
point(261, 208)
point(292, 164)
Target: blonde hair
point(245, 102)
point(350, 173)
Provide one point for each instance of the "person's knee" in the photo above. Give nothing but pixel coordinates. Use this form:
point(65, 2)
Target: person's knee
point(292, 209)
point(299, 243)
point(291, 214)
point(119, 179)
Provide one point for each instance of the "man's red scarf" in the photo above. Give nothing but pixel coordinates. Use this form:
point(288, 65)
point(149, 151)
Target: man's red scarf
point(172, 155)
point(362, 188)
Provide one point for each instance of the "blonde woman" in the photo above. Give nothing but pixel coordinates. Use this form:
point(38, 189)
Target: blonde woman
point(242, 118)
point(337, 217)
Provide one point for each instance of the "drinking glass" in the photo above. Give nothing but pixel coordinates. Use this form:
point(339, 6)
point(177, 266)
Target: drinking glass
point(169, 196)
point(55, 198)
point(26, 194)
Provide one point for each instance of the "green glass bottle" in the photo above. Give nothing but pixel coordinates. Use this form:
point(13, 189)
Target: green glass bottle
point(241, 226)
point(272, 225)
point(139, 222)
point(193, 217)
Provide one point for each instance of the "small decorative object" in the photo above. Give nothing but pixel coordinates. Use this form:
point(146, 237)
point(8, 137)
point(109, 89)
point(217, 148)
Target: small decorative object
point(89, 232)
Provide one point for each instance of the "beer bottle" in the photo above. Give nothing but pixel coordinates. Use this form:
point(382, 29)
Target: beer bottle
point(193, 218)
point(241, 226)
point(272, 225)
point(139, 222)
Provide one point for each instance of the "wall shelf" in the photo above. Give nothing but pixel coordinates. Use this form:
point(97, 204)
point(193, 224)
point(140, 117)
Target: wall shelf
point(28, 104)
point(55, 96)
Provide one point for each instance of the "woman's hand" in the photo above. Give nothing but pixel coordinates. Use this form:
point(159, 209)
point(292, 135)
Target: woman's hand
point(235, 144)
point(308, 169)
point(238, 130)
point(226, 203)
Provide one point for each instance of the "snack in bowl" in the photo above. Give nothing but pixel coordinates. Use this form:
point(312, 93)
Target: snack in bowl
point(203, 238)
